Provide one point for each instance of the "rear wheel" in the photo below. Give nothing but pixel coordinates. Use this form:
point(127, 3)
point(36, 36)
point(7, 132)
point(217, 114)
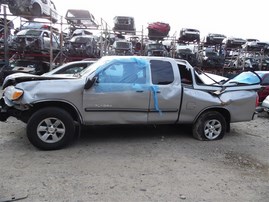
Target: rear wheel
point(50, 128)
point(209, 126)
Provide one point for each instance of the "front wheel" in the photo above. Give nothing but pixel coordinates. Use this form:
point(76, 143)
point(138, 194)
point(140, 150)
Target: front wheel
point(210, 125)
point(50, 128)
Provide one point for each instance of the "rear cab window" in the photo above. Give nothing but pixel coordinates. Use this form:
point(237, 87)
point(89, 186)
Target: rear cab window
point(185, 74)
point(161, 72)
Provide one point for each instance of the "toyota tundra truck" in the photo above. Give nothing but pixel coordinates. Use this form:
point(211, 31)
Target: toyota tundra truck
point(128, 90)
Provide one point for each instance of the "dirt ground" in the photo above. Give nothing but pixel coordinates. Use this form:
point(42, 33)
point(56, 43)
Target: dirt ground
point(138, 163)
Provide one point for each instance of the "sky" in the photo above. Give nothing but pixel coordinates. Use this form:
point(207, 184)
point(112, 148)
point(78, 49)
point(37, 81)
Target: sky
point(237, 18)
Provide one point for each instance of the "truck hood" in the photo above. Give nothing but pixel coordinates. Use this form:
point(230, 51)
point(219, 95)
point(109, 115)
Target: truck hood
point(21, 77)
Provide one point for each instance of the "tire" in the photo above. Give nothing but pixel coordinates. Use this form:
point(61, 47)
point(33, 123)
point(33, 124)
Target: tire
point(36, 12)
point(209, 126)
point(50, 128)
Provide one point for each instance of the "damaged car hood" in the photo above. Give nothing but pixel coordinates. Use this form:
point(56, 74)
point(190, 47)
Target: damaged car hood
point(22, 77)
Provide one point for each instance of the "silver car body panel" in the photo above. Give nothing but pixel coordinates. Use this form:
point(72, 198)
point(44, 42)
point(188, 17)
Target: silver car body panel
point(133, 102)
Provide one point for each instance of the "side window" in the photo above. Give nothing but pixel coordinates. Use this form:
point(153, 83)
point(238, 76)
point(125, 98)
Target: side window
point(161, 72)
point(123, 73)
point(185, 74)
point(112, 74)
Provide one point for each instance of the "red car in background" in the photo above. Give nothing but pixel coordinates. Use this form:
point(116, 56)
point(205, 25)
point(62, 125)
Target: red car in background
point(265, 85)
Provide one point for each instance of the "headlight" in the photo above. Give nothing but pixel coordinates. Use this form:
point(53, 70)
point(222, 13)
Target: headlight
point(12, 93)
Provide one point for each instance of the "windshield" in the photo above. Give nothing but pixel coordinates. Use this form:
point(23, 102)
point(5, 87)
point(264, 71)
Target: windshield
point(29, 33)
point(124, 45)
point(211, 54)
point(155, 46)
point(81, 39)
point(21, 63)
point(94, 66)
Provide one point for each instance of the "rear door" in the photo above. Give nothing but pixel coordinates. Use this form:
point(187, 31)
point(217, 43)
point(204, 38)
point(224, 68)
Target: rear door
point(165, 94)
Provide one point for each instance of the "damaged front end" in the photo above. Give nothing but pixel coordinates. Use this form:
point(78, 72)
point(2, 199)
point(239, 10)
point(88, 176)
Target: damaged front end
point(11, 102)
point(9, 105)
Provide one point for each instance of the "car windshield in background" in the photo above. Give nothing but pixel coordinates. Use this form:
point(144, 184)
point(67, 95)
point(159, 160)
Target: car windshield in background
point(123, 45)
point(249, 78)
point(155, 46)
point(80, 39)
point(211, 54)
point(29, 33)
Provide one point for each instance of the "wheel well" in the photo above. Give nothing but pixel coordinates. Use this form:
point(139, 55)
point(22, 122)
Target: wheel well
point(63, 105)
point(224, 112)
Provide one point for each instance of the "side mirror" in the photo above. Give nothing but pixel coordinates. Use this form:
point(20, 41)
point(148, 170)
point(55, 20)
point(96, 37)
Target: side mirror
point(89, 83)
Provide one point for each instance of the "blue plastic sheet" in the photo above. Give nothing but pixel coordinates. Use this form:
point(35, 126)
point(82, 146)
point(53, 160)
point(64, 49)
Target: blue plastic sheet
point(132, 74)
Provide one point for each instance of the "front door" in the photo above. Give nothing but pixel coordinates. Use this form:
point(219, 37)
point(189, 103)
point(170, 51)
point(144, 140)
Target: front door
point(119, 96)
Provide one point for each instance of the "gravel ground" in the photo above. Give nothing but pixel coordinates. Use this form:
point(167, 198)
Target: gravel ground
point(138, 163)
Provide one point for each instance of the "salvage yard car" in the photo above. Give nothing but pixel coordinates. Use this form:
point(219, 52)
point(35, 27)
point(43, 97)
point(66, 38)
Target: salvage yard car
point(210, 58)
point(128, 90)
point(124, 24)
point(36, 67)
point(31, 9)
point(34, 40)
point(265, 104)
point(155, 49)
point(121, 47)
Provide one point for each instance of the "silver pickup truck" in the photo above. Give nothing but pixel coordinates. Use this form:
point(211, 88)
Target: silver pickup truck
point(128, 90)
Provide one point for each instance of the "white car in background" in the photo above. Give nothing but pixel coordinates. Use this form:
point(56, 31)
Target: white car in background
point(31, 9)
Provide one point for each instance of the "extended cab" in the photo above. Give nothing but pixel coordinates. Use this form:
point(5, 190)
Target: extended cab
point(128, 90)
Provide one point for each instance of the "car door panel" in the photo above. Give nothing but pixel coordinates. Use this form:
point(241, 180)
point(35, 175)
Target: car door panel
point(166, 93)
point(117, 97)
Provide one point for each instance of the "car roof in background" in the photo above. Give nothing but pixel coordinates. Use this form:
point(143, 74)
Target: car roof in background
point(65, 65)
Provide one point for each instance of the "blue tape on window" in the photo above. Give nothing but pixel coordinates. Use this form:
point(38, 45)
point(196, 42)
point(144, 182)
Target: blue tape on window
point(155, 90)
point(134, 73)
